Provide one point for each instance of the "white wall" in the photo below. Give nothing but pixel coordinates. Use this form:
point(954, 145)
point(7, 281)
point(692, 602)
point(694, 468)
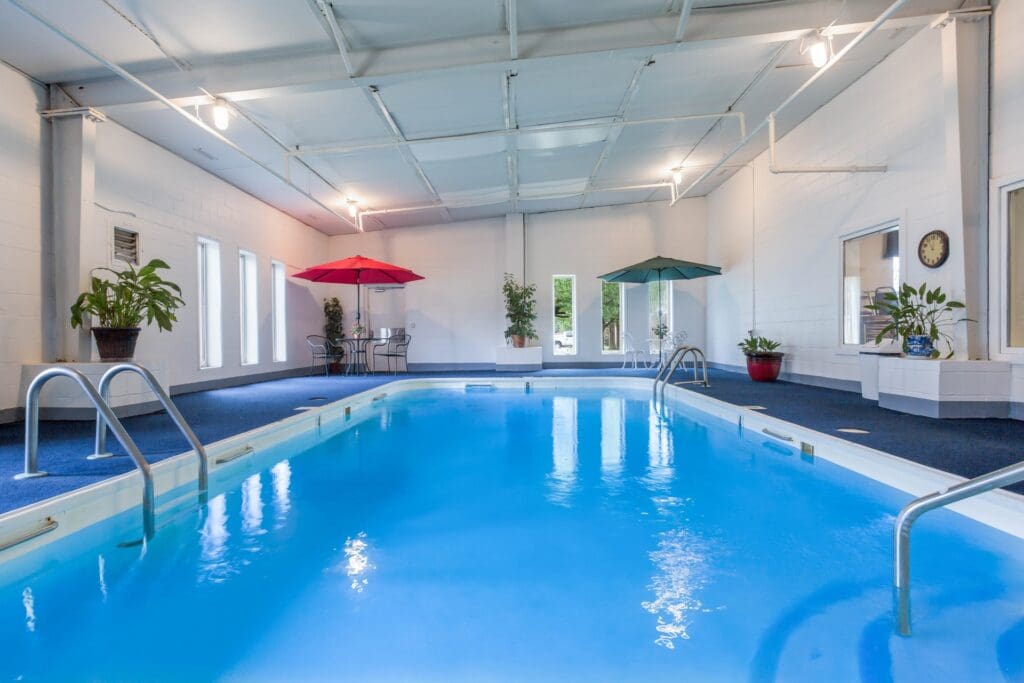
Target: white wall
point(175, 202)
point(1007, 134)
point(456, 315)
point(591, 242)
point(24, 137)
point(783, 252)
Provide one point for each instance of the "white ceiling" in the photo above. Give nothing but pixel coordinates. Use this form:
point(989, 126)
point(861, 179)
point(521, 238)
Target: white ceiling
point(445, 69)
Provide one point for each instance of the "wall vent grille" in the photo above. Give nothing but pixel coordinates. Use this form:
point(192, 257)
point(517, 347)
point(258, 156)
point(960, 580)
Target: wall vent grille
point(126, 246)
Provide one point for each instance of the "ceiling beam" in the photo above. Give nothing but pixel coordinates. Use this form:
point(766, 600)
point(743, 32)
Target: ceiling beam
point(512, 21)
point(684, 19)
point(508, 103)
point(324, 11)
point(378, 102)
point(616, 129)
point(245, 77)
point(514, 131)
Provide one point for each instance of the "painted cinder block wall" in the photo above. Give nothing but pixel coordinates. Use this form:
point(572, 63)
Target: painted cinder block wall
point(169, 202)
point(456, 315)
point(1007, 131)
point(24, 186)
point(780, 236)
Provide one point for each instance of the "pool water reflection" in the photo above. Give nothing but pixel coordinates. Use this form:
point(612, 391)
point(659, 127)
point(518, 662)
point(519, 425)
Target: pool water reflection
point(544, 536)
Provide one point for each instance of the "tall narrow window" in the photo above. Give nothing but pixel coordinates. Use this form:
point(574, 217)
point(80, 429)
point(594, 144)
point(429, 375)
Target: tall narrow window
point(659, 315)
point(209, 304)
point(250, 324)
point(277, 283)
point(612, 317)
point(564, 295)
point(1015, 284)
point(871, 267)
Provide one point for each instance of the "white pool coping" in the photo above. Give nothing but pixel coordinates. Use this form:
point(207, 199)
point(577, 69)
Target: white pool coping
point(86, 506)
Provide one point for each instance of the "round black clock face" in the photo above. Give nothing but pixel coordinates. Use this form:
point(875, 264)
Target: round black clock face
point(933, 250)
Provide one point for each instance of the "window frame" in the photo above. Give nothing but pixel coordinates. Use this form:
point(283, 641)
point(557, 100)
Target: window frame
point(206, 317)
point(575, 317)
point(999, 271)
point(897, 224)
point(651, 340)
point(248, 328)
point(622, 319)
point(279, 311)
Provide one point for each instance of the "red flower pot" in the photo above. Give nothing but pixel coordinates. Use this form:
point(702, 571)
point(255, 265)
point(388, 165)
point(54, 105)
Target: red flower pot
point(764, 367)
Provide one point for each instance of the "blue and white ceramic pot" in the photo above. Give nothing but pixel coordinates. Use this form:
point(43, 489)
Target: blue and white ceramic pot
point(919, 346)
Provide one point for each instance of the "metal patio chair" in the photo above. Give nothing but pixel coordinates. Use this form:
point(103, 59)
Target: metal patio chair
point(395, 349)
point(321, 348)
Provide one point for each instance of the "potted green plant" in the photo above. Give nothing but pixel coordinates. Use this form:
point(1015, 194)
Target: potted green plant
point(334, 326)
point(763, 361)
point(120, 305)
point(920, 318)
point(520, 309)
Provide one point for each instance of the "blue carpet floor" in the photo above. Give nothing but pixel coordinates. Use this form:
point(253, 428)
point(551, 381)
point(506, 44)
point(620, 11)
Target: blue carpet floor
point(965, 447)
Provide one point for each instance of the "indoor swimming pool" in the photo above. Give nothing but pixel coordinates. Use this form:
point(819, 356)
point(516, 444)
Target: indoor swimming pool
point(487, 533)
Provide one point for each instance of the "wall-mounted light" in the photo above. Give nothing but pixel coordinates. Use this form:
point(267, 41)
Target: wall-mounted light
point(818, 48)
point(221, 114)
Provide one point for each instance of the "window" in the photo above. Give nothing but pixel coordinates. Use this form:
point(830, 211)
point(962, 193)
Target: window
point(871, 267)
point(209, 304)
point(1015, 272)
point(277, 285)
point(126, 246)
point(249, 316)
point(564, 295)
point(659, 312)
point(612, 317)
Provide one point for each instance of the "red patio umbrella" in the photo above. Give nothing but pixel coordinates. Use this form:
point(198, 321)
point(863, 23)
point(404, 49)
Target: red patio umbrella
point(359, 270)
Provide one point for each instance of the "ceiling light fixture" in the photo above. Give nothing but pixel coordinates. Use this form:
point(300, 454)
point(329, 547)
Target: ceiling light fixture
point(353, 207)
point(677, 175)
point(221, 113)
point(818, 48)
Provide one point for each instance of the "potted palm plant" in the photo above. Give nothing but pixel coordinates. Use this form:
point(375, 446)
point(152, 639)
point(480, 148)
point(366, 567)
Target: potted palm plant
point(920, 318)
point(763, 361)
point(334, 326)
point(120, 305)
point(520, 309)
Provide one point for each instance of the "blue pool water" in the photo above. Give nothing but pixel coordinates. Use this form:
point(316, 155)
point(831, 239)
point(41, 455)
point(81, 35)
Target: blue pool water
point(505, 536)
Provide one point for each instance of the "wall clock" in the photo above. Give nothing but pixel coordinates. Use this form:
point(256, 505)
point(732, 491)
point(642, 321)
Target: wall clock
point(933, 249)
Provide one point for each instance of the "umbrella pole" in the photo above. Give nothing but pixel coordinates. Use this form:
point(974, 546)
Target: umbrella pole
point(359, 302)
point(661, 337)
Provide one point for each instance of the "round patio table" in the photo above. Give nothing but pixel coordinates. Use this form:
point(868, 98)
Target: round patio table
point(357, 358)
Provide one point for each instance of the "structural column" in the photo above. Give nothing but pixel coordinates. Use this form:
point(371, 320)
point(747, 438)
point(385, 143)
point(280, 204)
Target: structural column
point(965, 80)
point(76, 249)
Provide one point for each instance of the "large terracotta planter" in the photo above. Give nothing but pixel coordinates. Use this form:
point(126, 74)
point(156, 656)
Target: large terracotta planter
point(519, 341)
point(116, 343)
point(764, 367)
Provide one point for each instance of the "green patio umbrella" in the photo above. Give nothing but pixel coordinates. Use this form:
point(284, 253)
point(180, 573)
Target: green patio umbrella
point(658, 269)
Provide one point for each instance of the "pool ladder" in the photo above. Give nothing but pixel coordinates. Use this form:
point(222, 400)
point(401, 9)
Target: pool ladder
point(106, 418)
point(679, 358)
point(1006, 476)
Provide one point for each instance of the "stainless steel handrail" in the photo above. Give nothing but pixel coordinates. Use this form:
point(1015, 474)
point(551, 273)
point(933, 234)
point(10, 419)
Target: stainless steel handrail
point(1006, 476)
point(697, 355)
point(666, 370)
point(679, 357)
point(102, 408)
point(168, 405)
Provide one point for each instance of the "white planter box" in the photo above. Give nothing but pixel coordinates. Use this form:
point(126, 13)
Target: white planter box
point(945, 388)
point(62, 398)
point(511, 359)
